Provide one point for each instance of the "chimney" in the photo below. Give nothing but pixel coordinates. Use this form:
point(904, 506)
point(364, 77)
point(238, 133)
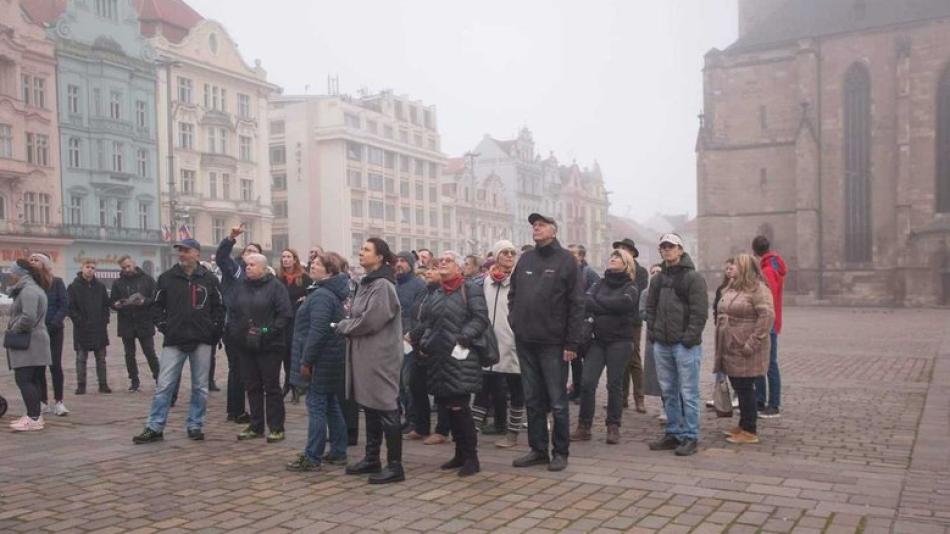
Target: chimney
point(753, 12)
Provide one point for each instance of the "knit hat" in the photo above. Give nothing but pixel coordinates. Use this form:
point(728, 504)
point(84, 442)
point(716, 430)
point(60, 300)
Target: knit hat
point(44, 259)
point(504, 244)
point(20, 272)
point(409, 257)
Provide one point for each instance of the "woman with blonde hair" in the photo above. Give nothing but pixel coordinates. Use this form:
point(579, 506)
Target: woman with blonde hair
point(57, 306)
point(744, 318)
point(611, 308)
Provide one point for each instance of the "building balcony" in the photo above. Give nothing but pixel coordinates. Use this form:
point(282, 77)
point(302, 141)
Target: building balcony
point(110, 178)
point(101, 233)
point(214, 117)
point(221, 161)
point(31, 230)
point(121, 128)
point(13, 169)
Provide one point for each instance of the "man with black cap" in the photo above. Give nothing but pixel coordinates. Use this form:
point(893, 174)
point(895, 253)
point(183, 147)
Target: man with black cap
point(409, 288)
point(634, 371)
point(190, 314)
point(546, 301)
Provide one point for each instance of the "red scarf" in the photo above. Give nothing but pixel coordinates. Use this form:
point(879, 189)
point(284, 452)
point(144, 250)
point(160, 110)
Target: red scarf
point(290, 277)
point(449, 286)
point(498, 275)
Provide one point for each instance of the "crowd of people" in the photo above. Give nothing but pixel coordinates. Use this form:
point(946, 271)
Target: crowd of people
point(516, 337)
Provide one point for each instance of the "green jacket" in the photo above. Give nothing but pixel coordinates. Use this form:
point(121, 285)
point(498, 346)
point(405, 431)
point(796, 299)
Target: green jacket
point(677, 305)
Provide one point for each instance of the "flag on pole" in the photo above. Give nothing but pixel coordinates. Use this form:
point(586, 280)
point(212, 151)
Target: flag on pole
point(184, 232)
point(166, 233)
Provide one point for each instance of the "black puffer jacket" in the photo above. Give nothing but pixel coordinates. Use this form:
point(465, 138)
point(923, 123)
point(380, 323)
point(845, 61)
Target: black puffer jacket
point(448, 319)
point(188, 308)
point(613, 303)
point(677, 305)
point(315, 343)
point(546, 298)
point(89, 312)
point(263, 302)
point(134, 320)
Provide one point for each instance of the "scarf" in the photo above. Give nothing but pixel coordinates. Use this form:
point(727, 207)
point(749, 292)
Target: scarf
point(449, 286)
point(497, 275)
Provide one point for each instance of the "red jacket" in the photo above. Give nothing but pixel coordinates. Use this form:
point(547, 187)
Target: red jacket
point(774, 270)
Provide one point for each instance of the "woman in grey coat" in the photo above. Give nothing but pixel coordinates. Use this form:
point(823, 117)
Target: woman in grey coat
point(28, 316)
point(373, 361)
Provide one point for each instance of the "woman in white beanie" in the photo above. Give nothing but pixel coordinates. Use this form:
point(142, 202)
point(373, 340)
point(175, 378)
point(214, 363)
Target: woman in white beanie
point(507, 371)
point(57, 305)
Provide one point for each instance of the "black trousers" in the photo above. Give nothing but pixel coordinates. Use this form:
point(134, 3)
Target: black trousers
point(148, 348)
point(614, 356)
point(351, 414)
point(422, 409)
point(82, 355)
point(544, 376)
point(28, 380)
point(462, 424)
point(56, 369)
point(261, 373)
point(236, 403)
point(577, 374)
point(745, 391)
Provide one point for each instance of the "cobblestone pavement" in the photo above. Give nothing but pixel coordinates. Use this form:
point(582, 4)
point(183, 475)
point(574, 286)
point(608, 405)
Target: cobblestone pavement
point(862, 446)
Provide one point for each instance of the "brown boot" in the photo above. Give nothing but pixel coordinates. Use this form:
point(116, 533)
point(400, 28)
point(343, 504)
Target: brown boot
point(641, 407)
point(613, 434)
point(510, 440)
point(581, 433)
point(743, 438)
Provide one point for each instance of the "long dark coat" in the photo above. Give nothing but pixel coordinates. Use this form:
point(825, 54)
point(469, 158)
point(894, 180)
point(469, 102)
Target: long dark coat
point(89, 312)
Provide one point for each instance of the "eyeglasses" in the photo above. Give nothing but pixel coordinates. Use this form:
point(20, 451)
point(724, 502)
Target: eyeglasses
point(446, 260)
point(508, 252)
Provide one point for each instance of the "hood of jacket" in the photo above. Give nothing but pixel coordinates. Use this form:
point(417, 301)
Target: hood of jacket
point(685, 264)
point(771, 258)
point(83, 281)
point(260, 281)
point(337, 284)
point(385, 272)
point(550, 248)
point(177, 270)
point(137, 273)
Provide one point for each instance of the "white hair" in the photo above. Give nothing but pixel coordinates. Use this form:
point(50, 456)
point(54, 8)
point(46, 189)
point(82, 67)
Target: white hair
point(257, 257)
point(456, 257)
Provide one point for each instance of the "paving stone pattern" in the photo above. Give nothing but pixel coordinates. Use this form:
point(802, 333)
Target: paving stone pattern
point(862, 446)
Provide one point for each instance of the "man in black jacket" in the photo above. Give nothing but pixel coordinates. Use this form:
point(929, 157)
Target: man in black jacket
point(633, 374)
point(677, 308)
point(132, 296)
point(89, 311)
point(546, 299)
point(189, 313)
point(258, 316)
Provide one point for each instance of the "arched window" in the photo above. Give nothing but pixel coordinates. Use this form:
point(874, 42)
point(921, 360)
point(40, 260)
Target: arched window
point(857, 157)
point(943, 143)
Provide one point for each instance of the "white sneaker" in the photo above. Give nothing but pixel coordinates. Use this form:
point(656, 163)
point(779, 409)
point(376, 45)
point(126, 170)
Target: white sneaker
point(44, 408)
point(60, 409)
point(18, 421)
point(28, 425)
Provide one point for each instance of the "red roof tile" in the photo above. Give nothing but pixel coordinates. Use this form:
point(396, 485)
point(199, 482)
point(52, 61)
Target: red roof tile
point(43, 11)
point(174, 17)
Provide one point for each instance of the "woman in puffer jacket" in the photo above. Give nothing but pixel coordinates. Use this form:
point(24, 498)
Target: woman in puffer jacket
point(454, 318)
point(612, 306)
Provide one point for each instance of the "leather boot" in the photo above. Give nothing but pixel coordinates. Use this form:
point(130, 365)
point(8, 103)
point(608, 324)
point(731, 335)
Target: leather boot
point(393, 472)
point(613, 434)
point(459, 457)
point(581, 433)
point(374, 440)
point(469, 439)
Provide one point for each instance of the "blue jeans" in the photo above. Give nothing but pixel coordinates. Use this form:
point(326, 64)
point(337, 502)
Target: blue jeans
point(774, 385)
point(544, 377)
point(405, 398)
point(677, 369)
point(171, 362)
point(324, 410)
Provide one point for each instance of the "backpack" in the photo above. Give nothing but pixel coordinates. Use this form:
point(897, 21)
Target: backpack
point(486, 345)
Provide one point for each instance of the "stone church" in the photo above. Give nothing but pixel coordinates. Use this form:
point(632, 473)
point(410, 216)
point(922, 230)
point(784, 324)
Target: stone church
point(826, 127)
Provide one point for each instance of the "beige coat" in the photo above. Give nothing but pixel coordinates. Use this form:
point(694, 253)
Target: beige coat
point(496, 296)
point(742, 332)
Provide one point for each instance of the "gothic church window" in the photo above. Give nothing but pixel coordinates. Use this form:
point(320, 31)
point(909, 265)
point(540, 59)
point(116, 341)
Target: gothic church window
point(857, 155)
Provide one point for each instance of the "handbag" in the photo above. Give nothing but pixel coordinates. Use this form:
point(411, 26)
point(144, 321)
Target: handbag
point(16, 340)
point(486, 345)
point(722, 398)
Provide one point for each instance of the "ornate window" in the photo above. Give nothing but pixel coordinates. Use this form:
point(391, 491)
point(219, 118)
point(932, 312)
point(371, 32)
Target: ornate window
point(943, 143)
point(857, 156)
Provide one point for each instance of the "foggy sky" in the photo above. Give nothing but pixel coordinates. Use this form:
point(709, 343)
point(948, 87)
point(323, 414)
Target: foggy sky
point(616, 81)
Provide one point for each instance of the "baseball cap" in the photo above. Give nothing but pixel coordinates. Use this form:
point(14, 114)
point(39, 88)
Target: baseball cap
point(188, 243)
point(672, 239)
point(534, 217)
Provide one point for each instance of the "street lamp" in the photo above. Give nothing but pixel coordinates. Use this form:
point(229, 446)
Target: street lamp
point(170, 141)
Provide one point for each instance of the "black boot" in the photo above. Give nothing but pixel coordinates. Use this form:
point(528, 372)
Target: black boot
point(459, 459)
point(469, 441)
point(393, 472)
point(374, 440)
